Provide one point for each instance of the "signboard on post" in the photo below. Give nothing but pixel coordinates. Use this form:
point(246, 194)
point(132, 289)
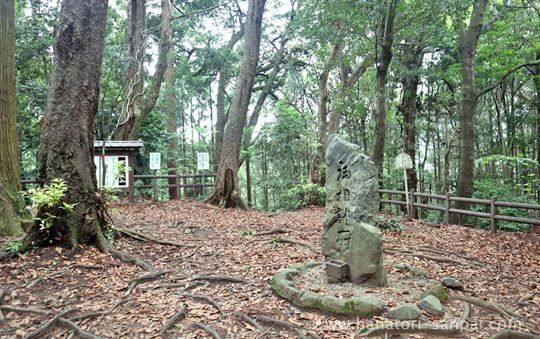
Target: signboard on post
point(404, 162)
point(203, 161)
point(155, 160)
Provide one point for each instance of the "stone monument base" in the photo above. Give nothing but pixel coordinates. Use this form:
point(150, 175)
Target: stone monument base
point(306, 285)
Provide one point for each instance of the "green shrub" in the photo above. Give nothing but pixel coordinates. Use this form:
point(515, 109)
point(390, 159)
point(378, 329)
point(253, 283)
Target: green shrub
point(304, 194)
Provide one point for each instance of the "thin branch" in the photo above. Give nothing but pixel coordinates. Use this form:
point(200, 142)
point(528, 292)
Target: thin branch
point(504, 76)
point(200, 11)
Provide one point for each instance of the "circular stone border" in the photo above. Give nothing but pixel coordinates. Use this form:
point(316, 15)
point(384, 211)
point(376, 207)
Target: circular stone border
point(283, 285)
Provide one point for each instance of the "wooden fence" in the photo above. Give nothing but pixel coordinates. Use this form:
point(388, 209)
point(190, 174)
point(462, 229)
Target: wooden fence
point(186, 186)
point(447, 208)
point(181, 182)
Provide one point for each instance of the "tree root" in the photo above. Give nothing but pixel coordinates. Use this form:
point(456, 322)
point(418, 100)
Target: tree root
point(41, 330)
point(218, 278)
point(207, 329)
point(512, 334)
point(290, 326)
point(274, 231)
point(172, 320)
point(105, 246)
point(144, 279)
point(411, 327)
point(61, 321)
point(101, 313)
point(207, 299)
point(446, 253)
point(2, 318)
point(429, 257)
point(249, 320)
point(497, 308)
point(288, 240)
point(147, 237)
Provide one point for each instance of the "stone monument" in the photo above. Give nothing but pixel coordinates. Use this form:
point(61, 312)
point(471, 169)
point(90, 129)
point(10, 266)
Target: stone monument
point(352, 201)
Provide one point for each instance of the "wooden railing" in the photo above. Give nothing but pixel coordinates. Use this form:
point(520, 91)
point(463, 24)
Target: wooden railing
point(447, 208)
point(197, 183)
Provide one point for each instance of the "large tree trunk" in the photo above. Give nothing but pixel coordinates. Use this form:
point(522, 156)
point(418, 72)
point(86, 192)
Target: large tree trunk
point(11, 202)
point(413, 56)
point(137, 105)
point(227, 187)
point(383, 62)
point(66, 149)
point(221, 115)
point(536, 76)
point(467, 48)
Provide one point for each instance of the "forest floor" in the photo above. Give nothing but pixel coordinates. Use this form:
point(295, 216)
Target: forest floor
point(228, 246)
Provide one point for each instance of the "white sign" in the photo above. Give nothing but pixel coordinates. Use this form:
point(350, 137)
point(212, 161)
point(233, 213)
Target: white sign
point(203, 161)
point(403, 161)
point(155, 160)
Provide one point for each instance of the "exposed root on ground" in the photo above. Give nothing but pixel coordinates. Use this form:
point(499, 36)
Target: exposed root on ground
point(147, 237)
point(411, 327)
point(299, 330)
point(249, 320)
point(429, 257)
point(43, 328)
point(274, 231)
point(208, 329)
point(175, 317)
point(287, 240)
point(103, 244)
point(494, 307)
point(207, 299)
point(512, 334)
point(224, 278)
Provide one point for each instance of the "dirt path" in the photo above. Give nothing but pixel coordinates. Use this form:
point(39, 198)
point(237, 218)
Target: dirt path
point(222, 246)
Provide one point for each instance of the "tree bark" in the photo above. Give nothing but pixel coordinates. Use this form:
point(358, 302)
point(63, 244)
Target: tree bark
point(227, 187)
point(221, 115)
point(413, 56)
point(467, 47)
point(267, 88)
point(536, 77)
point(383, 62)
point(66, 148)
point(315, 175)
point(137, 105)
point(172, 123)
point(11, 202)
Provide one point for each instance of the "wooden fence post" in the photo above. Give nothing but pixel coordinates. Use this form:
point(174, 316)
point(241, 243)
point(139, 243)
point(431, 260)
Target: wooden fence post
point(177, 183)
point(184, 180)
point(411, 208)
point(155, 184)
point(448, 205)
point(492, 215)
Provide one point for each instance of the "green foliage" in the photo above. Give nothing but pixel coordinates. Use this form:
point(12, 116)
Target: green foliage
point(14, 247)
point(486, 189)
point(303, 195)
point(50, 198)
point(392, 224)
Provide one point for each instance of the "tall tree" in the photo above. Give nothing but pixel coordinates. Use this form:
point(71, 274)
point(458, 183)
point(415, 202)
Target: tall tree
point(11, 202)
point(137, 102)
point(468, 40)
point(384, 57)
point(227, 187)
point(66, 149)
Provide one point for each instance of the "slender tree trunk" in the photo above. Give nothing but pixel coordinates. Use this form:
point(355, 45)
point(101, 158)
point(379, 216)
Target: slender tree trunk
point(536, 76)
point(137, 105)
point(413, 56)
point(11, 202)
point(248, 181)
point(170, 90)
point(467, 48)
point(227, 188)
point(66, 148)
point(315, 175)
point(267, 88)
point(383, 63)
point(221, 114)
